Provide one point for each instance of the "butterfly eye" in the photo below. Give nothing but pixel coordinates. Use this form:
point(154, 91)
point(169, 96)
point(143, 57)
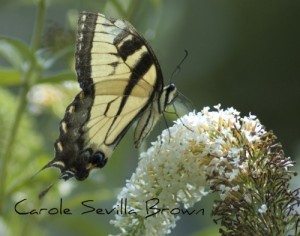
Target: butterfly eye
point(99, 159)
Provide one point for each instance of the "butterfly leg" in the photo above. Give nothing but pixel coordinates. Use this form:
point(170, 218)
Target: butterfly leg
point(167, 127)
point(180, 118)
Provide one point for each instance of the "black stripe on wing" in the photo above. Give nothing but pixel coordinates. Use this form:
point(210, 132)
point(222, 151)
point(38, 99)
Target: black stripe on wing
point(129, 47)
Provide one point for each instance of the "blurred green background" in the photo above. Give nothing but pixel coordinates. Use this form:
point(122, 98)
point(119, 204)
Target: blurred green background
point(244, 54)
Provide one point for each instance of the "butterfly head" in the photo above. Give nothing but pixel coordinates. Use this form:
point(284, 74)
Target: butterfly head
point(168, 95)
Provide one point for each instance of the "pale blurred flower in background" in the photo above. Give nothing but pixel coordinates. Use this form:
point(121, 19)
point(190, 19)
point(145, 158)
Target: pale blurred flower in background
point(54, 96)
point(65, 188)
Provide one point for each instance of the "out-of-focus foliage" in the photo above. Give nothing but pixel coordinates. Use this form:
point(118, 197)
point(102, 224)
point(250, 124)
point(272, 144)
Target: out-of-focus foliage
point(28, 150)
point(241, 54)
point(9, 77)
point(27, 153)
point(15, 52)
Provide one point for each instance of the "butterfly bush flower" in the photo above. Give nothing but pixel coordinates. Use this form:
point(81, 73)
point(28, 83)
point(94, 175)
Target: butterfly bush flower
point(213, 151)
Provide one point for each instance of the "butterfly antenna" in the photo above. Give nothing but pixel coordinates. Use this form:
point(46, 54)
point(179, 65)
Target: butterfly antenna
point(178, 67)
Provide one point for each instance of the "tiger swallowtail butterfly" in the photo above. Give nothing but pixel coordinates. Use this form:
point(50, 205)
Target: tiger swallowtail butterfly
point(121, 82)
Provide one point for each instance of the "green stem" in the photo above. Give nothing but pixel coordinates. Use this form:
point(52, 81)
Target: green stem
point(29, 79)
point(39, 25)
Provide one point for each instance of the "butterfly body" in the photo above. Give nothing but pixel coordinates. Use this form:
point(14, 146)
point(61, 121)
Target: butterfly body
point(121, 83)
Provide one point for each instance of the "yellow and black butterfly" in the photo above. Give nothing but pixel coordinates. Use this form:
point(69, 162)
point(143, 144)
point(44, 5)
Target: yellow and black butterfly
point(121, 83)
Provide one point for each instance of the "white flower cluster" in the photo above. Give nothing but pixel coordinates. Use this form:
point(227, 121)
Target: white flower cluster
point(175, 169)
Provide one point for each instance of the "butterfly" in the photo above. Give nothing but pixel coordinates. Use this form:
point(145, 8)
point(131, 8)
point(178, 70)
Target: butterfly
point(121, 83)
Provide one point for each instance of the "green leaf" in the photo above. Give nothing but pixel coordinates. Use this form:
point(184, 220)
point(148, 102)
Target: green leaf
point(62, 76)
point(9, 77)
point(16, 53)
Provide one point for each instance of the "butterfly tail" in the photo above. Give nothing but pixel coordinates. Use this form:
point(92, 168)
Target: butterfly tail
point(65, 175)
point(46, 190)
point(53, 163)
